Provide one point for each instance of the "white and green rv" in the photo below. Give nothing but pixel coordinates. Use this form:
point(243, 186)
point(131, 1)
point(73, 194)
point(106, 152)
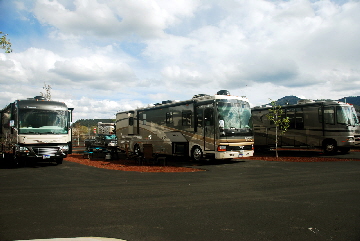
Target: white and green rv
point(35, 129)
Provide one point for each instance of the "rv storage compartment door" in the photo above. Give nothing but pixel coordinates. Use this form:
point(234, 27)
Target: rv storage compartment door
point(176, 136)
point(180, 146)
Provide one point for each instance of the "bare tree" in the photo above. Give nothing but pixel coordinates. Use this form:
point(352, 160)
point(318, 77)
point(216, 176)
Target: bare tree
point(47, 93)
point(281, 123)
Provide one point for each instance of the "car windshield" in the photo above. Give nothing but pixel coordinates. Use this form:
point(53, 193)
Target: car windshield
point(234, 117)
point(43, 121)
point(110, 137)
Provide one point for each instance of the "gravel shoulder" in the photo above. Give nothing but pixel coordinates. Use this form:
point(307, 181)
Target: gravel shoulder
point(124, 163)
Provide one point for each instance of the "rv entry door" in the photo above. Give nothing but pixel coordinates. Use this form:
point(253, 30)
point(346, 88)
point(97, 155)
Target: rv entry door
point(209, 129)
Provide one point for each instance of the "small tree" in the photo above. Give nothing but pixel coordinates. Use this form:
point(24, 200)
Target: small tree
point(5, 43)
point(47, 93)
point(281, 123)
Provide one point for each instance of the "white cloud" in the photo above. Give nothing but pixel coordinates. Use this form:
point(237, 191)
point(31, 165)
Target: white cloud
point(100, 109)
point(147, 51)
point(113, 18)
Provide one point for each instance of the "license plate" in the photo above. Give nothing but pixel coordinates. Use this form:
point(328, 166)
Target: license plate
point(46, 156)
point(241, 155)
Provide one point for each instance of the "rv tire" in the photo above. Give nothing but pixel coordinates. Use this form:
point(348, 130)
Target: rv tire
point(196, 153)
point(330, 147)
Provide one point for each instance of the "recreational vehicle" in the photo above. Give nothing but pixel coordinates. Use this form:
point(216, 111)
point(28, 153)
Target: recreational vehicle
point(330, 125)
point(35, 129)
point(215, 126)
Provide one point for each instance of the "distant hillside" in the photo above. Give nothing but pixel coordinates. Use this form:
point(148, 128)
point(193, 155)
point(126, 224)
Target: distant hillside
point(288, 100)
point(354, 100)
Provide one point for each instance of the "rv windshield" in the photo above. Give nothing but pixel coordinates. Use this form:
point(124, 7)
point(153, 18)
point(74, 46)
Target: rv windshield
point(234, 117)
point(346, 115)
point(37, 121)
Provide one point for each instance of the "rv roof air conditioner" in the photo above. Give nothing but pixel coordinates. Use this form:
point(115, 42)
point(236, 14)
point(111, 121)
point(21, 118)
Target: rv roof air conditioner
point(199, 95)
point(223, 92)
point(38, 98)
point(305, 101)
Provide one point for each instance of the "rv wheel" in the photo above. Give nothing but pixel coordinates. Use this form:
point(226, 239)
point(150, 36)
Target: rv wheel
point(196, 153)
point(330, 147)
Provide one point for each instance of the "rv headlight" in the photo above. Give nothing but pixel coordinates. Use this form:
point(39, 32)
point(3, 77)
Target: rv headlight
point(23, 149)
point(64, 148)
point(221, 148)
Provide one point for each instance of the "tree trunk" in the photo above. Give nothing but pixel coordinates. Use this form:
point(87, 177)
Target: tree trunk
point(276, 141)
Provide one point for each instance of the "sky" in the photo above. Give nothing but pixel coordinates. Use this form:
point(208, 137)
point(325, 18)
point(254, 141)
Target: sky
point(105, 56)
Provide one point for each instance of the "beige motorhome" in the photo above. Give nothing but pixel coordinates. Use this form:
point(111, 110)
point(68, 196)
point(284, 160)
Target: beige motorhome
point(330, 125)
point(35, 129)
point(216, 126)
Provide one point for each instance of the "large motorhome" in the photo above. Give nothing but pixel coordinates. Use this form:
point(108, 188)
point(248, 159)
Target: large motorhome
point(35, 129)
point(329, 125)
point(217, 126)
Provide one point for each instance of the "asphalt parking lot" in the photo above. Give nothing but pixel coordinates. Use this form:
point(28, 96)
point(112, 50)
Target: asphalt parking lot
point(247, 200)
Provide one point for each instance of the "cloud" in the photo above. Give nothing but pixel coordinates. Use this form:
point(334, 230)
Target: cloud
point(142, 18)
point(148, 51)
point(94, 68)
point(100, 109)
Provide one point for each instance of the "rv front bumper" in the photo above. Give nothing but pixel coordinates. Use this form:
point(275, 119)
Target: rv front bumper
point(42, 152)
point(233, 154)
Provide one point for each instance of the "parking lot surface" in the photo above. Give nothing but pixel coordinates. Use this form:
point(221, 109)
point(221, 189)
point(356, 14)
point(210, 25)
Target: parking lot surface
point(247, 200)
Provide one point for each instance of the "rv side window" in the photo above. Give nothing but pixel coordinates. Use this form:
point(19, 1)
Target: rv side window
point(144, 119)
point(209, 117)
point(290, 113)
point(329, 115)
point(199, 117)
point(186, 118)
point(169, 118)
point(299, 118)
point(131, 121)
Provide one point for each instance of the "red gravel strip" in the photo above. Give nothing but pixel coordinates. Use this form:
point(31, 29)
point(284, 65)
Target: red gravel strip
point(301, 159)
point(126, 165)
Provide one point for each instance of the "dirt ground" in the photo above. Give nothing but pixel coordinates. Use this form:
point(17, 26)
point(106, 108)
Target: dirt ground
point(124, 163)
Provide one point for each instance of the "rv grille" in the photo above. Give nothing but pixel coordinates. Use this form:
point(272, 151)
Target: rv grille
point(51, 151)
point(238, 148)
